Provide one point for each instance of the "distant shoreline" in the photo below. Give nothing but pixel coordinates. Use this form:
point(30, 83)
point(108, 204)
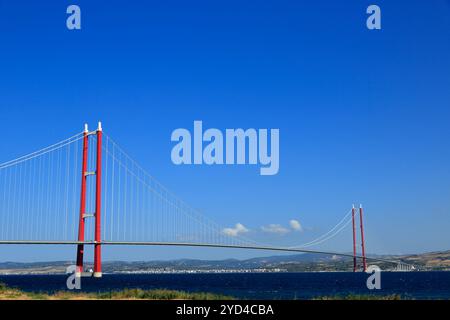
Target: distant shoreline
point(208, 272)
point(433, 261)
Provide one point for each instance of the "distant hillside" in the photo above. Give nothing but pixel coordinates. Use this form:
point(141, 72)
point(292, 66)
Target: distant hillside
point(290, 263)
point(430, 261)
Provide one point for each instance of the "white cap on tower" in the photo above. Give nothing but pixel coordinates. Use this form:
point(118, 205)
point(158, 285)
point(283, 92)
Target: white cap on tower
point(86, 128)
point(99, 126)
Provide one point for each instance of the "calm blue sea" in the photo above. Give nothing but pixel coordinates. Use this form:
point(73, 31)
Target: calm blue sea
point(417, 285)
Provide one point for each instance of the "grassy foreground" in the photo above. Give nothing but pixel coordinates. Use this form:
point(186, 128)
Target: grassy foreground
point(362, 297)
point(7, 293)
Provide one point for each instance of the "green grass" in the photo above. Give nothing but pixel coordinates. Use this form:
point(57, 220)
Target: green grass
point(362, 297)
point(156, 294)
point(3, 287)
point(126, 294)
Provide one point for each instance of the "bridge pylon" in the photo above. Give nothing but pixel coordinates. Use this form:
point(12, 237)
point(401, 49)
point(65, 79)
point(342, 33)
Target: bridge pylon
point(363, 245)
point(83, 214)
point(355, 266)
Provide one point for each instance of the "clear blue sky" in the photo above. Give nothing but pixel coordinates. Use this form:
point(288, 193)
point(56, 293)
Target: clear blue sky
point(364, 116)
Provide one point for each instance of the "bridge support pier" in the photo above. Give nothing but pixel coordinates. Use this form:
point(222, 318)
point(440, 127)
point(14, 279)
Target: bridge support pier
point(80, 247)
point(355, 267)
point(362, 238)
point(98, 207)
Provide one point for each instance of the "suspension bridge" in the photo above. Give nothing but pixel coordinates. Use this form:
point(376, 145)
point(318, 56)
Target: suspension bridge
point(87, 191)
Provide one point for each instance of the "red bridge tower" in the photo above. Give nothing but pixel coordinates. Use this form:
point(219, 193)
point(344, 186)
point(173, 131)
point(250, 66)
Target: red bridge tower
point(98, 205)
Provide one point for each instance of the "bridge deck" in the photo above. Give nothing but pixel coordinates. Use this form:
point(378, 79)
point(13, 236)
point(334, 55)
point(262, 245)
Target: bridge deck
point(182, 244)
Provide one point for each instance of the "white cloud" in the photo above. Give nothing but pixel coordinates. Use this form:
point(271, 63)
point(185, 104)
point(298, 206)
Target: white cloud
point(295, 225)
point(234, 232)
point(275, 228)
